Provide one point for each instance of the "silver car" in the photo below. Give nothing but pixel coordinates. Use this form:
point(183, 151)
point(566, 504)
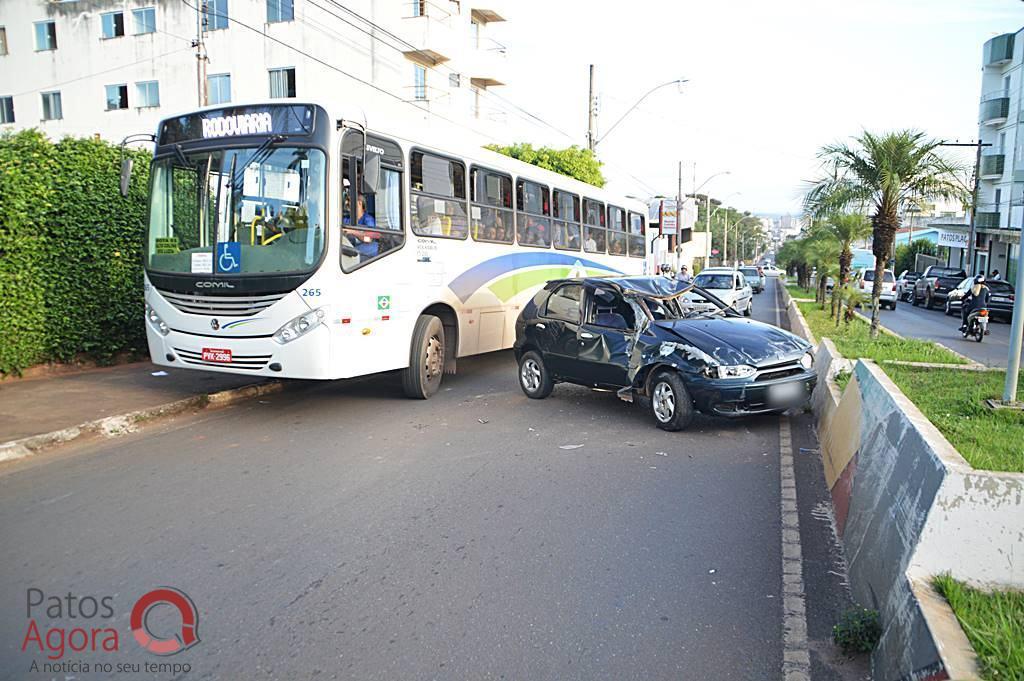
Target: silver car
point(729, 286)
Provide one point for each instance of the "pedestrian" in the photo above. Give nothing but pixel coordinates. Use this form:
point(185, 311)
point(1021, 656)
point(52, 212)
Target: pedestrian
point(994, 275)
point(684, 275)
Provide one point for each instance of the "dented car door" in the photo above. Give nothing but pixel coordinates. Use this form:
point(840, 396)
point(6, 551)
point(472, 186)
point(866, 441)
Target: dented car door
point(604, 340)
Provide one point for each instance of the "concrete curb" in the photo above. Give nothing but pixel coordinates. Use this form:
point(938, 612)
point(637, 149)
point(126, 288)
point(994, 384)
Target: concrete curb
point(121, 424)
point(959, 660)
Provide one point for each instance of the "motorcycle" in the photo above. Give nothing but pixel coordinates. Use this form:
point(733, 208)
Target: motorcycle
point(977, 325)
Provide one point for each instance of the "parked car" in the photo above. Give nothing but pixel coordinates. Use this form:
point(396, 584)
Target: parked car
point(905, 285)
point(771, 270)
point(934, 285)
point(1000, 304)
point(648, 337)
point(729, 286)
point(864, 280)
point(754, 277)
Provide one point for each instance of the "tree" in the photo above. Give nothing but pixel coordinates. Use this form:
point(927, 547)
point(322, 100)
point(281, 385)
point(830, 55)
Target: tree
point(574, 161)
point(846, 229)
point(888, 172)
point(906, 254)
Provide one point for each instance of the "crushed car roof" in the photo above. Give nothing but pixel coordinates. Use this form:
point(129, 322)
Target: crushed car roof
point(656, 287)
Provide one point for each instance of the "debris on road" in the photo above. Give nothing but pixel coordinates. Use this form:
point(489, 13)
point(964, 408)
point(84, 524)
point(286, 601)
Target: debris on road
point(159, 373)
point(483, 420)
point(569, 446)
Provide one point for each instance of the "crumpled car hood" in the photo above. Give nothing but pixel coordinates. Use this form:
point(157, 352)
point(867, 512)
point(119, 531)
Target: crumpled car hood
point(734, 341)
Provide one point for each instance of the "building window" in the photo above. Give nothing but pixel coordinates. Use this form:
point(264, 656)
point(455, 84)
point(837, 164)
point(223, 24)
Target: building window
point(52, 110)
point(46, 35)
point(3, 41)
point(419, 8)
point(280, 10)
point(215, 15)
point(218, 88)
point(419, 82)
point(6, 109)
point(282, 83)
point(147, 93)
point(474, 33)
point(145, 20)
point(454, 80)
point(113, 24)
point(117, 97)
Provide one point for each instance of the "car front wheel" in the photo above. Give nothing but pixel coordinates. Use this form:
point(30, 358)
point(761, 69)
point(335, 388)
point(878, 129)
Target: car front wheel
point(534, 378)
point(670, 402)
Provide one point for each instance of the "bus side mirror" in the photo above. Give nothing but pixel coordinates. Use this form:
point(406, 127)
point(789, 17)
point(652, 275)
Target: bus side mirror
point(371, 173)
point(126, 175)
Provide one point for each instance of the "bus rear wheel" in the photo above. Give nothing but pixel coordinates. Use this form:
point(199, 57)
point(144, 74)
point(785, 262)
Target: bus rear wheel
point(426, 359)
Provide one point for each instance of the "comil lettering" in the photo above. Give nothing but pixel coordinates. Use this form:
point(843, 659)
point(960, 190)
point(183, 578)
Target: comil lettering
point(242, 124)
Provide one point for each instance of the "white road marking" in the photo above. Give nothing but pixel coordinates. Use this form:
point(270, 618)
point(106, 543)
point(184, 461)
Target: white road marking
point(796, 659)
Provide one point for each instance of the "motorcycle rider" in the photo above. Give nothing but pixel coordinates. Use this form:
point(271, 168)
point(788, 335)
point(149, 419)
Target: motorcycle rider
point(975, 299)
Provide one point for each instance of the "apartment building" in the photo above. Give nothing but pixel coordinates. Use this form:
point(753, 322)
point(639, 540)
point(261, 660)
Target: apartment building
point(116, 67)
point(1000, 209)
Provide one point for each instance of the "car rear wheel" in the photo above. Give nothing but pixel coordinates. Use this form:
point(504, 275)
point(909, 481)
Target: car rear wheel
point(750, 308)
point(534, 378)
point(929, 302)
point(422, 377)
point(913, 299)
point(670, 402)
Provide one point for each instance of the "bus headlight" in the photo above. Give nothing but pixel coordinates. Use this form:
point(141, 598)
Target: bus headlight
point(154, 320)
point(300, 326)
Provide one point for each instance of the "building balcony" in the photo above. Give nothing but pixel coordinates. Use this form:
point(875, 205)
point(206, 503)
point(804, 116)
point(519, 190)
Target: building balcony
point(998, 50)
point(995, 108)
point(429, 33)
point(488, 65)
point(992, 166)
point(488, 11)
point(987, 219)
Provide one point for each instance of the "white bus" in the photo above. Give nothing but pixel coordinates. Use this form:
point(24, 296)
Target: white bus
point(283, 242)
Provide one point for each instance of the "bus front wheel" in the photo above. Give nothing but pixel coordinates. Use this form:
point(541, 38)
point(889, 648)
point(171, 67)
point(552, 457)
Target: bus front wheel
point(426, 359)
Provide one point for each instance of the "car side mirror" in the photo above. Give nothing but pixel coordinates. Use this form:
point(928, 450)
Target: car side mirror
point(126, 175)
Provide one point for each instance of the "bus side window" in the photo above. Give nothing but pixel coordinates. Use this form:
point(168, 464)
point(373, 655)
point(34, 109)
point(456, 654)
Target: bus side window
point(371, 222)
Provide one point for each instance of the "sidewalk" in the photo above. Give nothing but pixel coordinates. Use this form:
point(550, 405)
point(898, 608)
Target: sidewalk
point(36, 406)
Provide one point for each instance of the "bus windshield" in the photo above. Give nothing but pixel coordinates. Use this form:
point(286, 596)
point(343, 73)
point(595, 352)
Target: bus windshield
point(254, 210)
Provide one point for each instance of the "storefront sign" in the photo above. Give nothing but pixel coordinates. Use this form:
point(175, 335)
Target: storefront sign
point(953, 239)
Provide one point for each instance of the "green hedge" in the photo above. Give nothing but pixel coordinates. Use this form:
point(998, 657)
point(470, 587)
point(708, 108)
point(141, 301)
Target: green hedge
point(70, 251)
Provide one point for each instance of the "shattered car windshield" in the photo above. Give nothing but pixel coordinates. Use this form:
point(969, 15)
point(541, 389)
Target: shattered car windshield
point(692, 305)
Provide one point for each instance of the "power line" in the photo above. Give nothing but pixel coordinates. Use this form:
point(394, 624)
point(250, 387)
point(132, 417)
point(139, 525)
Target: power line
point(99, 73)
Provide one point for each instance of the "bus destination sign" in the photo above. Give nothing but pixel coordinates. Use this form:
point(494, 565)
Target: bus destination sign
point(238, 121)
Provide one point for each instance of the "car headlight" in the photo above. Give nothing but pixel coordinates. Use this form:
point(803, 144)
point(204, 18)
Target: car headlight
point(807, 361)
point(154, 320)
point(737, 371)
point(300, 326)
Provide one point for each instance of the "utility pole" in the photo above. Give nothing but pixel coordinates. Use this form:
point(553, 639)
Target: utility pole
point(200, 57)
point(974, 197)
point(591, 114)
point(725, 241)
point(679, 218)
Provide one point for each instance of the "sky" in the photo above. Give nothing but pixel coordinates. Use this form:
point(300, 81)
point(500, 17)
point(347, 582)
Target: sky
point(769, 83)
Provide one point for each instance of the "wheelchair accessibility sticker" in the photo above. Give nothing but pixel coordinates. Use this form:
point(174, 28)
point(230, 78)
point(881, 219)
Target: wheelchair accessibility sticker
point(383, 302)
point(229, 257)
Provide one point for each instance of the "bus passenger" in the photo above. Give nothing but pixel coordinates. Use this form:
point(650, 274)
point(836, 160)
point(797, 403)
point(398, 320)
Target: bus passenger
point(428, 221)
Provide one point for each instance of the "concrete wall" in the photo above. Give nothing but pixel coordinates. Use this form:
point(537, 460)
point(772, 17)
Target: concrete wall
point(907, 504)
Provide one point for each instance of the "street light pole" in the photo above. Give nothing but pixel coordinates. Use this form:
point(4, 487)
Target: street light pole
point(591, 141)
point(677, 81)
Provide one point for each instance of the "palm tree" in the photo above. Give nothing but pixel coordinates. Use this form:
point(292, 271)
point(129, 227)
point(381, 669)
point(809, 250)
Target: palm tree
point(887, 172)
point(846, 228)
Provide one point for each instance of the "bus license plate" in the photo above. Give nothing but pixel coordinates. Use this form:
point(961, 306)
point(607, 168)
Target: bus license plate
point(786, 392)
point(217, 355)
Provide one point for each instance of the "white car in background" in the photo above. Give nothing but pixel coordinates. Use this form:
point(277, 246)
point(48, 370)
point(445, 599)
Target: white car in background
point(865, 283)
point(729, 286)
point(771, 271)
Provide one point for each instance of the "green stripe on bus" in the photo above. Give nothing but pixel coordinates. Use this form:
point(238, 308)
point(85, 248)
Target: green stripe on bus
point(507, 288)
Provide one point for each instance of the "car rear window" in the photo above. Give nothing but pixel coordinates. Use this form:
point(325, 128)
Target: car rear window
point(888, 278)
point(946, 272)
point(1000, 287)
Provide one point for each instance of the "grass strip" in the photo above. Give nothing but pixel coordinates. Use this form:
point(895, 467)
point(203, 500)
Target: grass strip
point(994, 624)
point(990, 439)
point(798, 291)
point(854, 340)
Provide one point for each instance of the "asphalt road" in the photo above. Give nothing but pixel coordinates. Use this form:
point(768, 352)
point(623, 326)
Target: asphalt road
point(337, 530)
point(917, 322)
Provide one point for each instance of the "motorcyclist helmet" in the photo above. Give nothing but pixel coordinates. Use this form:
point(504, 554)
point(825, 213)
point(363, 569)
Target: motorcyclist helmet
point(980, 279)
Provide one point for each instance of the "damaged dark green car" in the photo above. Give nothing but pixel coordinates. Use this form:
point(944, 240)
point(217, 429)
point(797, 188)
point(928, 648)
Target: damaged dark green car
point(673, 343)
